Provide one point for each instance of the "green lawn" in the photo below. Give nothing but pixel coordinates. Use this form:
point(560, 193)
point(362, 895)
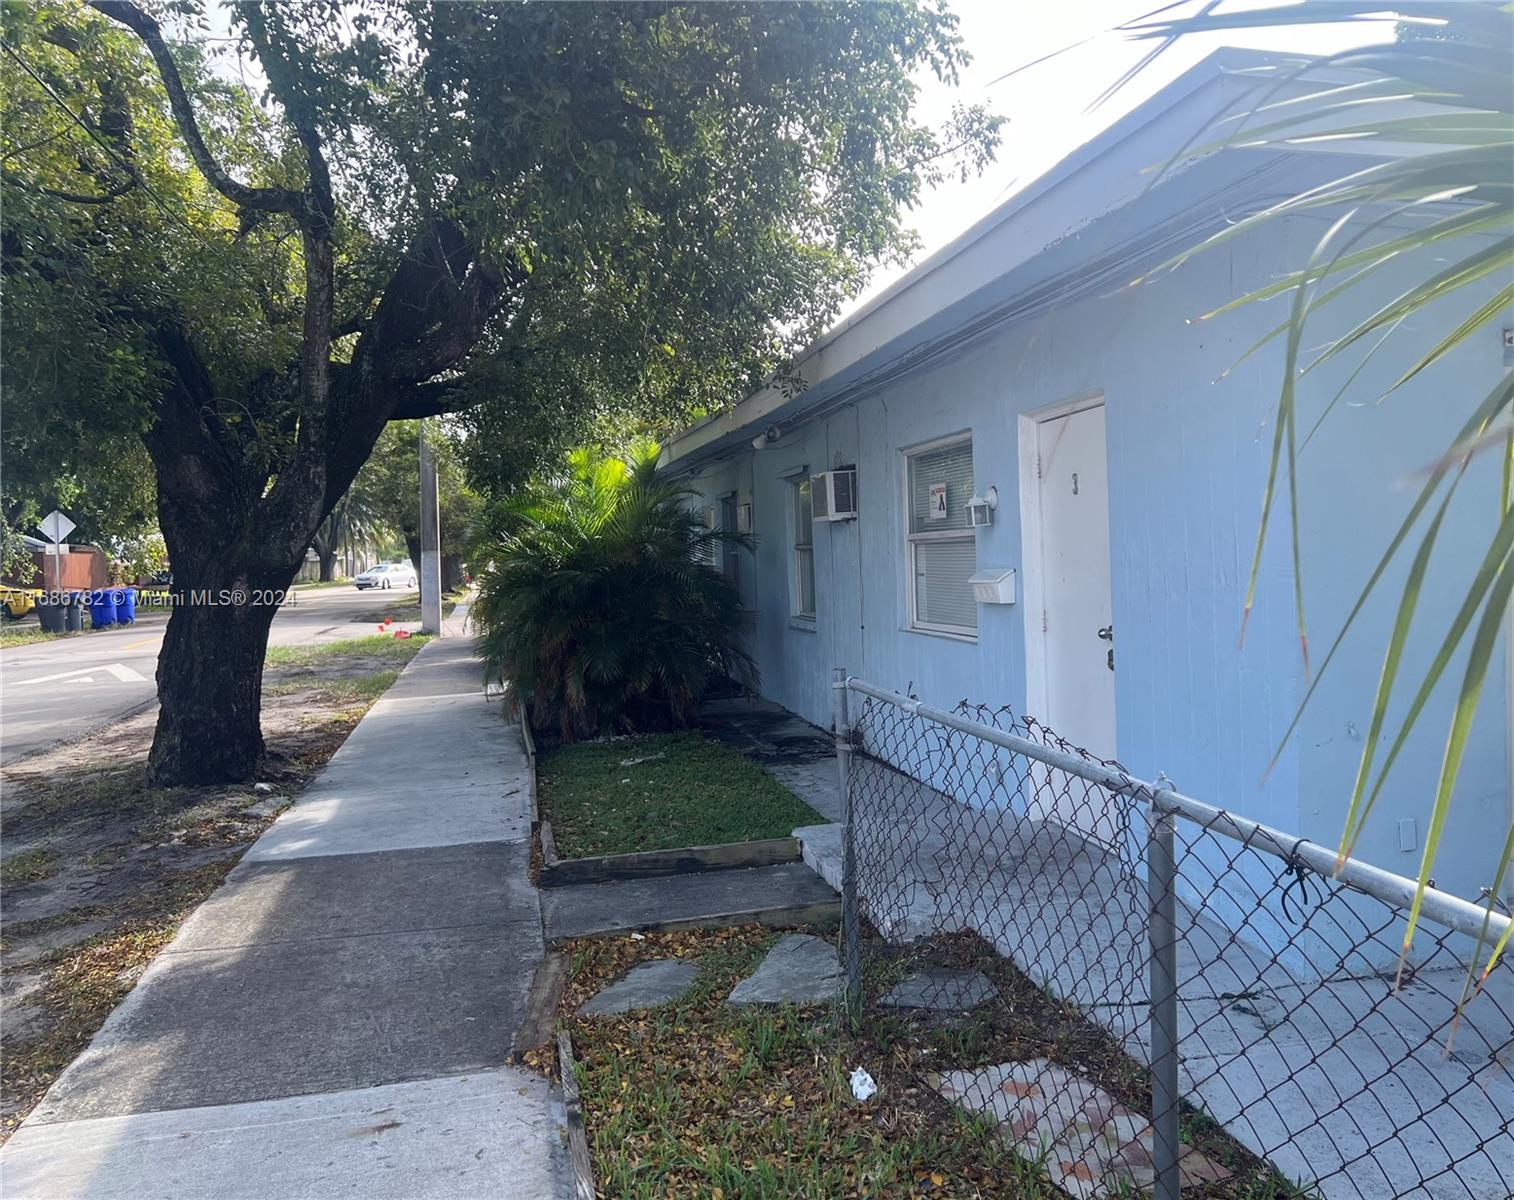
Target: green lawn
point(312, 584)
point(691, 791)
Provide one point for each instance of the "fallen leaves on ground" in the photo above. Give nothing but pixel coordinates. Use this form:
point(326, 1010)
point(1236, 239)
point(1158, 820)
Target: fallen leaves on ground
point(701, 1098)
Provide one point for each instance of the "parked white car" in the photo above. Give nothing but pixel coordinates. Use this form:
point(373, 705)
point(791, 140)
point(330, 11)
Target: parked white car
point(387, 575)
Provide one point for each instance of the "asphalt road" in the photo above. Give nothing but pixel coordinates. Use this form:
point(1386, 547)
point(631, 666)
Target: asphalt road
point(59, 690)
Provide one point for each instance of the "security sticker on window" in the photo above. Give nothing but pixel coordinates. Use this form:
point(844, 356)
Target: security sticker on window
point(938, 502)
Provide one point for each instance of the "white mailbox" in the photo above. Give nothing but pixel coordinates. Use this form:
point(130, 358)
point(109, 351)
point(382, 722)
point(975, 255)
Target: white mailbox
point(993, 587)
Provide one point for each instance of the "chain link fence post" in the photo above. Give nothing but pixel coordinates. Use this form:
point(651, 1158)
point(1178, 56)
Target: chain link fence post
point(1161, 888)
point(850, 925)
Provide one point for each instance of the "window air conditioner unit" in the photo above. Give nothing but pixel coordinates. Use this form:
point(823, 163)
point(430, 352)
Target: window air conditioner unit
point(833, 495)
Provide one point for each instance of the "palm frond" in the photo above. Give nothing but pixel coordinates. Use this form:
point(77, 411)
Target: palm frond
point(1443, 110)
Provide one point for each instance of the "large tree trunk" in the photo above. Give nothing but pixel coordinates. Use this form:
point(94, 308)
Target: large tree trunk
point(413, 547)
point(231, 565)
point(328, 564)
point(248, 470)
point(237, 526)
point(210, 681)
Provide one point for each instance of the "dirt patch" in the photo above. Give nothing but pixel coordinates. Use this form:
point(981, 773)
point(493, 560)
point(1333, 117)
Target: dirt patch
point(100, 868)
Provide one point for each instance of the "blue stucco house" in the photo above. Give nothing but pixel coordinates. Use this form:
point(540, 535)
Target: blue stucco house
point(1126, 445)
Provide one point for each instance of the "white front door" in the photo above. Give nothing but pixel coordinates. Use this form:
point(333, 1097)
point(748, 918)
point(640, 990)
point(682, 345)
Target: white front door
point(1073, 637)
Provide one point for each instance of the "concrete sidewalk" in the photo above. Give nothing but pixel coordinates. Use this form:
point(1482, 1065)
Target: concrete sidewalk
point(336, 1019)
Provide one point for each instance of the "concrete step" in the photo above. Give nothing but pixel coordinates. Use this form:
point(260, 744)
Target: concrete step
point(820, 850)
point(787, 894)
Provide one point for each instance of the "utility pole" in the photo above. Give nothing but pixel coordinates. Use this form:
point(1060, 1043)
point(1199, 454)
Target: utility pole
point(430, 566)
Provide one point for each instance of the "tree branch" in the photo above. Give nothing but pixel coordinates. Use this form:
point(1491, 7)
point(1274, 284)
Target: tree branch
point(290, 93)
point(460, 313)
point(316, 220)
point(151, 35)
point(356, 323)
point(111, 193)
point(433, 308)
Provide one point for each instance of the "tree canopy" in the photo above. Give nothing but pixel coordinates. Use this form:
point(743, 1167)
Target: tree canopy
point(526, 209)
point(636, 206)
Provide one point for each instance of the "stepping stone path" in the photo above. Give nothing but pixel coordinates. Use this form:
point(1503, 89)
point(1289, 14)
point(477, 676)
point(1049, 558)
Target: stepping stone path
point(800, 969)
point(1098, 1146)
point(940, 989)
point(645, 986)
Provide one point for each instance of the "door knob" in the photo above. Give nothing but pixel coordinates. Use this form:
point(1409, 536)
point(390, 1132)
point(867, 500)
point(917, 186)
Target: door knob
point(1106, 634)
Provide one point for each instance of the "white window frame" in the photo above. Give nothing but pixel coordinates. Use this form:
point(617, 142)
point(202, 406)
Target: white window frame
point(913, 540)
point(710, 555)
point(797, 611)
point(729, 563)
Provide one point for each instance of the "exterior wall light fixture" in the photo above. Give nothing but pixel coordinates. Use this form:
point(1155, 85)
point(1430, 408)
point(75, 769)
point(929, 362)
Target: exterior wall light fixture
point(980, 509)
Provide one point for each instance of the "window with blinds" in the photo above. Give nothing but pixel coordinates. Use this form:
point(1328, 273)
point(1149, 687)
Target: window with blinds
point(947, 469)
point(804, 551)
point(943, 550)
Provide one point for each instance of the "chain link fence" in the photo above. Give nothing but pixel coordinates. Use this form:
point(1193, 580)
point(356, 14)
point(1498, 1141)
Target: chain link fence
point(1146, 993)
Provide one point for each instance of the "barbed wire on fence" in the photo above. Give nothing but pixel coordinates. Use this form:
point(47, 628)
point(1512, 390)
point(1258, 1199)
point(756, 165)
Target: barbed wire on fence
point(1050, 942)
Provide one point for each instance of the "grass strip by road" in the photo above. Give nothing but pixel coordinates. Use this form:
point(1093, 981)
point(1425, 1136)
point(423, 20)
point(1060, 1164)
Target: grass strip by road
point(26, 633)
point(409, 608)
point(29, 866)
point(661, 792)
point(23, 632)
point(84, 983)
point(378, 645)
point(354, 688)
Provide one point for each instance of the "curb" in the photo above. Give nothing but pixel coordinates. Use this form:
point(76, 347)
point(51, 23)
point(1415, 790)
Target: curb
point(529, 742)
point(785, 916)
point(578, 1138)
point(644, 864)
point(547, 984)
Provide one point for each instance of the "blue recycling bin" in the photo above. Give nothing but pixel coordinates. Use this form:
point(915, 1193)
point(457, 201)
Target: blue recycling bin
point(126, 606)
point(102, 608)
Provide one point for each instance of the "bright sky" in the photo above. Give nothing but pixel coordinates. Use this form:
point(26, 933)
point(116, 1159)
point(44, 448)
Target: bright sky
point(1047, 105)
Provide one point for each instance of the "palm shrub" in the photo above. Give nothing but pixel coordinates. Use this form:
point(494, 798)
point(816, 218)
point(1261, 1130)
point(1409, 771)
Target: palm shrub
point(597, 606)
point(1444, 87)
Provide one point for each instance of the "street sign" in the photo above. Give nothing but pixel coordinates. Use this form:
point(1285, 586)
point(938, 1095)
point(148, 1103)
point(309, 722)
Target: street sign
point(56, 527)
